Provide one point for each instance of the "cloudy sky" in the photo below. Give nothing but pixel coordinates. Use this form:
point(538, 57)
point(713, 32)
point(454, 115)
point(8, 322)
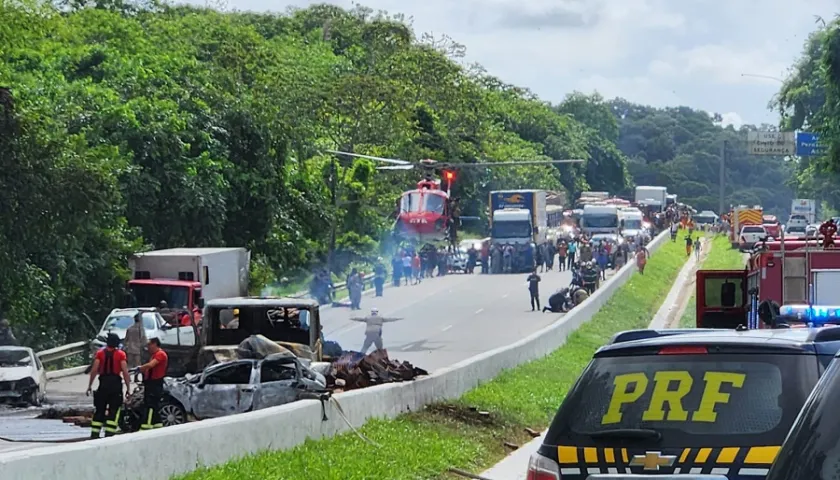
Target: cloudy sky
point(658, 52)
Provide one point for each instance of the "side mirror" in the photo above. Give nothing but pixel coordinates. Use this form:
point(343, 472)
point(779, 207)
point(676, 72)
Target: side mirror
point(200, 303)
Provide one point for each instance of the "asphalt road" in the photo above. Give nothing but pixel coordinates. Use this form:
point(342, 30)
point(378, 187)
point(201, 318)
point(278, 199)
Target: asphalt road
point(444, 320)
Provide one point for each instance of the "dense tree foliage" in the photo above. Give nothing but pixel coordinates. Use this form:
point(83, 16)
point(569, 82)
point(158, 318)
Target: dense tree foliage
point(680, 148)
point(130, 125)
point(809, 100)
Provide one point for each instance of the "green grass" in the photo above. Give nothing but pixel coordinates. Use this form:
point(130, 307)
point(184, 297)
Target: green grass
point(721, 257)
point(424, 445)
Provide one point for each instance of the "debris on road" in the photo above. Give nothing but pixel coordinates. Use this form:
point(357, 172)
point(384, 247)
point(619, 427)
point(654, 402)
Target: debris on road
point(58, 412)
point(353, 371)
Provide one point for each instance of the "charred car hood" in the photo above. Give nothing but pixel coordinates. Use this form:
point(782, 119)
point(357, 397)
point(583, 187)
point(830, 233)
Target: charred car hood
point(13, 374)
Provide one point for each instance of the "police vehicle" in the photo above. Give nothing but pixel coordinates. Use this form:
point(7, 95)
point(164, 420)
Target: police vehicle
point(675, 404)
point(812, 449)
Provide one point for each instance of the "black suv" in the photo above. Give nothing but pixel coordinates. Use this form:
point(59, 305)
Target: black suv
point(710, 404)
point(812, 449)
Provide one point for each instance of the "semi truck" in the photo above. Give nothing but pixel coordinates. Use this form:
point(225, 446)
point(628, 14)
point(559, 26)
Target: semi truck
point(187, 277)
point(600, 219)
point(518, 218)
point(655, 198)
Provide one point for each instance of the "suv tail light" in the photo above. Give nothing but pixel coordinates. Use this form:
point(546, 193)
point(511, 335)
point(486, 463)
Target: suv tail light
point(542, 468)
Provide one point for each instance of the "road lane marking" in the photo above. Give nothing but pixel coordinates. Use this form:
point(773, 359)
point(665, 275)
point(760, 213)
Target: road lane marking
point(479, 311)
point(446, 328)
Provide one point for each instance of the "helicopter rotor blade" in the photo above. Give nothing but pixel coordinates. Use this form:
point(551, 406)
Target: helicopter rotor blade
point(396, 167)
point(369, 157)
point(509, 164)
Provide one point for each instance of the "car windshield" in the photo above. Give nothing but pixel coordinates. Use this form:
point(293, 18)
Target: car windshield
point(692, 400)
point(122, 321)
point(796, 230)
point(16, 357)
point(753, 230)
point(600, 220)
point(812, 450)
point(507, 229)
point(151, 295)
point(633, 224)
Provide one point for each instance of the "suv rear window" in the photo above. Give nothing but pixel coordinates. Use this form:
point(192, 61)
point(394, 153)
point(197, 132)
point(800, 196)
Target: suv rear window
point(812, 451)
point(753, 230)
point(797, 217)
point(692, 400)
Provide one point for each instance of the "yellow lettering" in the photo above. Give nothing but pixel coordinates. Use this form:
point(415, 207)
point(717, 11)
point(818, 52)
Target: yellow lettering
point(662, 395)
point(622, 396)
point(712, 395)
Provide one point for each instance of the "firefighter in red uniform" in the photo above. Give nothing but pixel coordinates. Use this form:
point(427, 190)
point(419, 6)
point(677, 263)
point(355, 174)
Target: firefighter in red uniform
point(108, 364)
point(828, 230)
point(153, 373)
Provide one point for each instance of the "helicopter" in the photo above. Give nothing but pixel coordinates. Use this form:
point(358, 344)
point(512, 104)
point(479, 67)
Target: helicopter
point(427, 214)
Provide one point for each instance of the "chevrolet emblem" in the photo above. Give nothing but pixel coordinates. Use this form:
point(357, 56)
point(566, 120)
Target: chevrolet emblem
point(652, 460)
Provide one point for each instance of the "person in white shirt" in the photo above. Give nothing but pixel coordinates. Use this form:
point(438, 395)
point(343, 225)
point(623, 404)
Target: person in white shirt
point(373, 329)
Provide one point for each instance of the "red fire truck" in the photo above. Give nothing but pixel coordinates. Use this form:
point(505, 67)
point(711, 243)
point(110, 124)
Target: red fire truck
point(789, 272)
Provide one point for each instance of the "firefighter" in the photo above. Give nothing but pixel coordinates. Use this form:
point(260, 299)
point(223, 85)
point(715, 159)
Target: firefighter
point(153, 373)
point(108, 364)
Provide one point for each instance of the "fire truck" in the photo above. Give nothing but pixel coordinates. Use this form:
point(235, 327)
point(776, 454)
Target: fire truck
point(785, 271)
point(740, 216)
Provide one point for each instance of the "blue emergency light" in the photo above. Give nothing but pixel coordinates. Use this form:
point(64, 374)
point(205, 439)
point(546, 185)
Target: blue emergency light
point(813, 315)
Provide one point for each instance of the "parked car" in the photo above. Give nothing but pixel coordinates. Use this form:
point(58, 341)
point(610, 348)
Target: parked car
point(812, 232)
point(750, 235)
point(796, 231)
point(23, 378)
point(238, 386)
point(797, 220)
point(120, 319)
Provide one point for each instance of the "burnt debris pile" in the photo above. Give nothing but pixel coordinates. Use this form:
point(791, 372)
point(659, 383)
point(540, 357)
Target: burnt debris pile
point(354, 370)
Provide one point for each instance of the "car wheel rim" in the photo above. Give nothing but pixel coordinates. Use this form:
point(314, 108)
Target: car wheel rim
point(171, 415)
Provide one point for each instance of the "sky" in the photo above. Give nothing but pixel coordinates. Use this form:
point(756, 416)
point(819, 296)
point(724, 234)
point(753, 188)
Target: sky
point(656, 52)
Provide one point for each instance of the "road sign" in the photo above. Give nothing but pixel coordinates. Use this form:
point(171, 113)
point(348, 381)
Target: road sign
point(771, 143)
point(808, 145)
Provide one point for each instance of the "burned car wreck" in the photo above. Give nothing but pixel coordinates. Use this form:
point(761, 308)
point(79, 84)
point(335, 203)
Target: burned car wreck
point(240, 386)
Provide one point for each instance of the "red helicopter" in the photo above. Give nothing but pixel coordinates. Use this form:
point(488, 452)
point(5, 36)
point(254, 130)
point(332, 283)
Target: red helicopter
point(428, 214)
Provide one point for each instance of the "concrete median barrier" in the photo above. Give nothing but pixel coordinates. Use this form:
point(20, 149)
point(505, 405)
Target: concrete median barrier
point(157, 455)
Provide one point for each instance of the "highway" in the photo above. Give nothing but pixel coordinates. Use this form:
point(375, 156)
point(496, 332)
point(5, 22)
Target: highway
point(444, 320)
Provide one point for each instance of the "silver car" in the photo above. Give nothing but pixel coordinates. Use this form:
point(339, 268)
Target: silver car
point(238, 386)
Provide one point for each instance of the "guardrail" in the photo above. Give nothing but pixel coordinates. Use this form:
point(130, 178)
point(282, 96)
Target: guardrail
point(336, 287)
point(64, 351)
point(206, 443)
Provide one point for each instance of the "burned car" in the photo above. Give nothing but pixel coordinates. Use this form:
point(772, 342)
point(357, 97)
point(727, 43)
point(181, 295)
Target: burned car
point(239, 386)
point(23, 378)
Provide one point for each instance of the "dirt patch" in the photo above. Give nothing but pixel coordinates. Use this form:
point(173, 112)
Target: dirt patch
point(467, 415)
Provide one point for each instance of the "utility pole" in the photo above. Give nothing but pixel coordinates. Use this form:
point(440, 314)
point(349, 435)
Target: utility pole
point(722, 180)
point(334, 220)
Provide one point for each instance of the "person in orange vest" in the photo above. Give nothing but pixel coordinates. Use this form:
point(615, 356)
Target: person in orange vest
point(108, 364)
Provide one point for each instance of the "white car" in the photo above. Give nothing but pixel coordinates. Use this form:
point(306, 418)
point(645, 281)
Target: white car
point(751, 234)
point(796, 220)
point(796, 231)
point(120, 319)
point(22, 376)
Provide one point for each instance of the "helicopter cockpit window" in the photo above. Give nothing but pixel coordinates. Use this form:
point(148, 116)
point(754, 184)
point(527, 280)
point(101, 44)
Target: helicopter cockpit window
point(410, 202)
point(434, 203)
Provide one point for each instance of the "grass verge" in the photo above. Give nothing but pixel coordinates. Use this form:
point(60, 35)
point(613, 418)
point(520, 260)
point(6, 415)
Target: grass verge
point(424, 445)
point(721, 257)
